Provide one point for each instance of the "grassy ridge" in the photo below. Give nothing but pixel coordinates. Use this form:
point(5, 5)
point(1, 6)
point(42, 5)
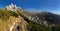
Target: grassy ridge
point(7, 19)
point(5, 14)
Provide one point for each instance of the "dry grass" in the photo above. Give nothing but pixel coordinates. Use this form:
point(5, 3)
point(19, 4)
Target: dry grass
point(5, 25)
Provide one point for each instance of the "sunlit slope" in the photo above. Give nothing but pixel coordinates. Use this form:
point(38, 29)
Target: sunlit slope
point(9, 20)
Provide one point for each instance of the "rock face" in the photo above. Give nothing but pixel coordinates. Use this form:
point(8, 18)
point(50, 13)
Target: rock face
point(11, 7)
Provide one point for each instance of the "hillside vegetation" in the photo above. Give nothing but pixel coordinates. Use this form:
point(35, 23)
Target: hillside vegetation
point(5, 14)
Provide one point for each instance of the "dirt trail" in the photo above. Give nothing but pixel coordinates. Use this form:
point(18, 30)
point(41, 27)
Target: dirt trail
point(17, 21)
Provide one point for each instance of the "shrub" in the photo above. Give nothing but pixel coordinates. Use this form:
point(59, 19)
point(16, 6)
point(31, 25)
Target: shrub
point(12, 13)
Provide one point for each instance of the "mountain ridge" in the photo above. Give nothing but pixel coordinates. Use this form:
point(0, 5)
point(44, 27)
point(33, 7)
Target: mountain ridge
point(29, 21)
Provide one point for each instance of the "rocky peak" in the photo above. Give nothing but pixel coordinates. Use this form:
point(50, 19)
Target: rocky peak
point(12, 7)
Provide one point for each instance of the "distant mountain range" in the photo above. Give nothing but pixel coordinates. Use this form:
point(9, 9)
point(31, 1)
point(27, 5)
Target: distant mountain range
point(49, 17)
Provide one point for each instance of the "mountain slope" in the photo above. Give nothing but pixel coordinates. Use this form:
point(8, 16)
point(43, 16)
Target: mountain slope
point(9, 20)
point(49, 17)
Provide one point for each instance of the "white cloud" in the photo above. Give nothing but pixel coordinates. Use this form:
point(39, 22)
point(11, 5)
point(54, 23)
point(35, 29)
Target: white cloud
point(39, 10)
point(34, 10)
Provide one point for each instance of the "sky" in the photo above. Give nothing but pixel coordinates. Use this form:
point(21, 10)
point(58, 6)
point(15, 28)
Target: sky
point(34, 5)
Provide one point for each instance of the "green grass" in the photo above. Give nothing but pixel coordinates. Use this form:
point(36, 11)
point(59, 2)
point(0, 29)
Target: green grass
point(5, 14)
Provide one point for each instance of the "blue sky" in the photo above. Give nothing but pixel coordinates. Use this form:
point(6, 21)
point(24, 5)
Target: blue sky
point(35, 5)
